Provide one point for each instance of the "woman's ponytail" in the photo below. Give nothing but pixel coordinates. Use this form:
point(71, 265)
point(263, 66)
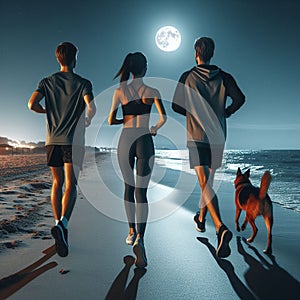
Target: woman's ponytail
point(125, 70)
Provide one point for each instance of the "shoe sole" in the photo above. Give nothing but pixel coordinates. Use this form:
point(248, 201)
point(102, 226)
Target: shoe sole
point(224, 249)
point(198, 229)
point(60, 243)
point(140, 261)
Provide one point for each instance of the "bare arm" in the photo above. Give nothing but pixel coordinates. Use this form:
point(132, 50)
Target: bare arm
point(162, 116)
point(112, 118)
point(34, 103)
point(91, 109)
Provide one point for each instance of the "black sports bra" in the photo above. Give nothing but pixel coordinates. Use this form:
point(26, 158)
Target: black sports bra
point(137, 106)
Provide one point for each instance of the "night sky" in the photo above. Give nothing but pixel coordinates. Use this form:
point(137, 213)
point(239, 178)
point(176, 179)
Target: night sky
point(258, 42)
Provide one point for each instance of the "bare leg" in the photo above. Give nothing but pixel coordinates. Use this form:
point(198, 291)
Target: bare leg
point(70, 193)
point(203, 208)
point(56, 191)
point(209, 200)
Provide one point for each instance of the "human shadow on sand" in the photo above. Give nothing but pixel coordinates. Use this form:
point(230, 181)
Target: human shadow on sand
point(267, 280)
point(118, 289)
point(239, 287)
point(11, 284)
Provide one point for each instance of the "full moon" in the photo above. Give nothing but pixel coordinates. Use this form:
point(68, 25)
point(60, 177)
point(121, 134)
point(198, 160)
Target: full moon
point(168, 38)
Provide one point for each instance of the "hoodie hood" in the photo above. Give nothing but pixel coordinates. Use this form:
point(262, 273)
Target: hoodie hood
point(206, 72)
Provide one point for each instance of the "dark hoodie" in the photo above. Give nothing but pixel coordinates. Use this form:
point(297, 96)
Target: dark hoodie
point(201, 96)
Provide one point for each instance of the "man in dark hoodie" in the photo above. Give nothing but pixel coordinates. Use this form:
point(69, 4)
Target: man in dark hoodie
point(201, 96)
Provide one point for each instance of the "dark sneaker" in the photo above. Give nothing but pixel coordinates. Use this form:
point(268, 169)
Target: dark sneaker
point(224, 237)
point(200, 226)
point(139, 251)
point(60, 234)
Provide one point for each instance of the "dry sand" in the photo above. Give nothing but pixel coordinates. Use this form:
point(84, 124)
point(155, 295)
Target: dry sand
point(182, 262)
point(25, 209)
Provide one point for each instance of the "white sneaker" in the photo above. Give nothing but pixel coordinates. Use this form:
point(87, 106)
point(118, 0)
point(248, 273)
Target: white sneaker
point(139, 251)
point(131, 238)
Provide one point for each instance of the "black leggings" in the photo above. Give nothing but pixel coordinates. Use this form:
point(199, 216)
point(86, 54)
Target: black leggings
point(136, 144)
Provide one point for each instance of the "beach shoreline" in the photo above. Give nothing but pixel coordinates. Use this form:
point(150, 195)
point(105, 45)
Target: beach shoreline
point(95, 265)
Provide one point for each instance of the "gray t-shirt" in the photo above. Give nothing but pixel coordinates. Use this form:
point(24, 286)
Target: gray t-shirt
point(65, 106)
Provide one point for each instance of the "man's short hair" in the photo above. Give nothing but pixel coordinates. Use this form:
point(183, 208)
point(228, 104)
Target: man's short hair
point(66, 53)
point(204, 48)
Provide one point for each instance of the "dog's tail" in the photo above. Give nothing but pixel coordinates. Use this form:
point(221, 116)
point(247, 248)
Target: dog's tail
point(264, 185)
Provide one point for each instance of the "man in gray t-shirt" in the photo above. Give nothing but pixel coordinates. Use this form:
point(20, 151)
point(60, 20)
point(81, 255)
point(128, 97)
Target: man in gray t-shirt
point(69, 108)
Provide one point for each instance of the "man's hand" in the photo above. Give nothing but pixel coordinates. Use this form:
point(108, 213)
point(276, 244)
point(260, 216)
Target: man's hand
point(34, 103)
point(227, 113)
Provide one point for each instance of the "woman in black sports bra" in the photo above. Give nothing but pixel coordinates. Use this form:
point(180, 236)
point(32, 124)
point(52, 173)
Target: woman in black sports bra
point(136, 145)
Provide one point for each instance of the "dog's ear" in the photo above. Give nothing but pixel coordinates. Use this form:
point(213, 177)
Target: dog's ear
point(247, 173)
point(239, 172)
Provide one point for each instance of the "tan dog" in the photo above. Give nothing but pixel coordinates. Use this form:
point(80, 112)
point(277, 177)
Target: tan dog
point(255, 201)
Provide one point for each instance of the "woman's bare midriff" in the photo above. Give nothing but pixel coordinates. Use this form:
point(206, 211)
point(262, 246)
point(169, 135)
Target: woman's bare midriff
point(140, 121)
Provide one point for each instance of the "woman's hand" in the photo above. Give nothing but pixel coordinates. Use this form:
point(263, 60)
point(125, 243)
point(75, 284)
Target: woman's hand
point(87, 121)
point(153, 130)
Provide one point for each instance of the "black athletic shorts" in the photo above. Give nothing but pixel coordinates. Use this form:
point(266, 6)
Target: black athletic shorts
point(58, 155)
point(202, 154)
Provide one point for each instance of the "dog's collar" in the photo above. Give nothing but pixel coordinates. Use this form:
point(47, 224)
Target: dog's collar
point(242, 183)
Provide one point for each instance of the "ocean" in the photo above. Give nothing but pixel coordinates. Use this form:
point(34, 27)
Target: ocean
point(284, 166)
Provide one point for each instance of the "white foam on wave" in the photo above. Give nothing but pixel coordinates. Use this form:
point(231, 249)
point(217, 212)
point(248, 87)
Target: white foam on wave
point(257, 161)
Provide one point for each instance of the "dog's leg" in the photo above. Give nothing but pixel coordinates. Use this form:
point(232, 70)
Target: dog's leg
point(237, 215)
point(254, 229)
point(269, 223)
point(244, 223)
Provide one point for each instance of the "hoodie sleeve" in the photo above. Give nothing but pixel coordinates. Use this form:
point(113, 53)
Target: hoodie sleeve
point(234, 92)
point(178, 104)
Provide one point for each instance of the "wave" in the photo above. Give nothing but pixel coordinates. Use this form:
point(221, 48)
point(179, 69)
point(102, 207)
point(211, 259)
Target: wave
point(283, 164)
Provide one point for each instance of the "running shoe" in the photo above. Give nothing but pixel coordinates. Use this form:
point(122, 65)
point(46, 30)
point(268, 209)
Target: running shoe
point(131, 238)
point(60, 234)
point(139, 251)
point(200, 226)
point(224, 237)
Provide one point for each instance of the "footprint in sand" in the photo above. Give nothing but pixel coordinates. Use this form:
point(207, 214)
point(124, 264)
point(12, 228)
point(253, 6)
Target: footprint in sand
point(18, 207)
point(22, 196)
point(12, 245)
point(41, 235)
point(18, 201)
point(48, 216)
point(8, 192)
